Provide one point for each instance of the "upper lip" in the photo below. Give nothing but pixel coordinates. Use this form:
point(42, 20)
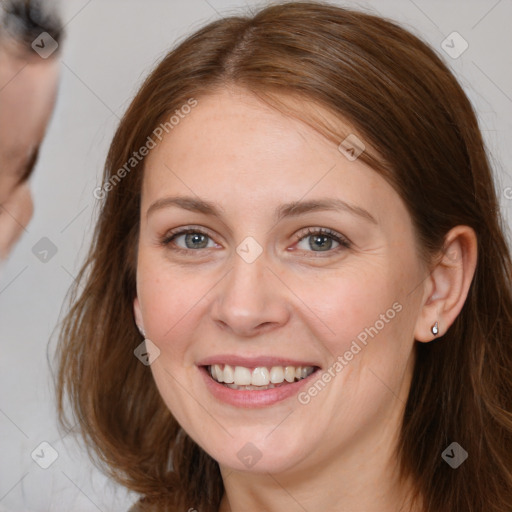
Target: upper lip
point(253, 362)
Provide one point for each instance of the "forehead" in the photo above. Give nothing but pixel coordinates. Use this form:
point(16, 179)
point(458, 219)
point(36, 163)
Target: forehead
point(27, 95)
point(250, 161)
point(235, 139)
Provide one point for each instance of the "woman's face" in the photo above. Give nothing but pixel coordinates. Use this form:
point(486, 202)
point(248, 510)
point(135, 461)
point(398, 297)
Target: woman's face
point(255, 285)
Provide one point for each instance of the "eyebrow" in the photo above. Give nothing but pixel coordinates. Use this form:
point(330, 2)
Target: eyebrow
point(291, 209)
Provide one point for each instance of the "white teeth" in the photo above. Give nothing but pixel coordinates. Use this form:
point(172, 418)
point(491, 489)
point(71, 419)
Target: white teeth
point(259, 377)
point(242, 376)
point(276, 374)
point(289, 374)
point(250, 388)
point(218, 373)
point(229, 374)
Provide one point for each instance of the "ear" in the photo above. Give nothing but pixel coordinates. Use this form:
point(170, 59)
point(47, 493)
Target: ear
point(138, 314)
point(448, 283)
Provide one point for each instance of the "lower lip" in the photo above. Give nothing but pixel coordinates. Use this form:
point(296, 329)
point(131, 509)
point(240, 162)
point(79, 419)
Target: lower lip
point(254, 398)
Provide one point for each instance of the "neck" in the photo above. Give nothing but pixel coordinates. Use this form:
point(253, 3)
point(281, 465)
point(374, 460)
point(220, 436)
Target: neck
point(361, 476)
point(274, 493)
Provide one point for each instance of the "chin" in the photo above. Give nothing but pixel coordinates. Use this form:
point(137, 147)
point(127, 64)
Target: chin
point(269, 464)
point(241, 454)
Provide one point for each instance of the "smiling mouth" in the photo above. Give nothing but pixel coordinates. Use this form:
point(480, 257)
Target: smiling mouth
point(259, 378)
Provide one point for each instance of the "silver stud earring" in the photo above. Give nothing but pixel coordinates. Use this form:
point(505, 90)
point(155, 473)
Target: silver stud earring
point(435, 329)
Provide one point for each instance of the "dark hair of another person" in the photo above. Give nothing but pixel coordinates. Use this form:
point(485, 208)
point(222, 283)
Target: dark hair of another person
point(401, 99)
point(25, 20)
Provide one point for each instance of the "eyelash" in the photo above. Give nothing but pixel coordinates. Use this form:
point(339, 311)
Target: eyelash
point(344, 243)
point(326, 232)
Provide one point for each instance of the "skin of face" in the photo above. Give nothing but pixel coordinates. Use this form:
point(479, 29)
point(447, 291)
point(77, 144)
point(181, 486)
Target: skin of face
point(28, 88)
point(294, 301)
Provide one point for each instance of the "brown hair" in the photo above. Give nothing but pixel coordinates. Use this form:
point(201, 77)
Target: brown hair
point(401, 100)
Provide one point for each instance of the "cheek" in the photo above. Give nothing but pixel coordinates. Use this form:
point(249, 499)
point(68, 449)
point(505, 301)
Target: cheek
point(351, 308)
point(337, 308)
point(366, 329)
point(171, 300)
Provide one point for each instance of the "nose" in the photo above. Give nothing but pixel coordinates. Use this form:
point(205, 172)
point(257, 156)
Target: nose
point(251, 299)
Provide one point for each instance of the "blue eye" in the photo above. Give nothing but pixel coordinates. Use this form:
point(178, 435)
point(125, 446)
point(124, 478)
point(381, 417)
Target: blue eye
point(323, 239)
point(196, 238)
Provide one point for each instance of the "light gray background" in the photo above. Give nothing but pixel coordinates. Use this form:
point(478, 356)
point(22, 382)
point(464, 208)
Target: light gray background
point(110, 47)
